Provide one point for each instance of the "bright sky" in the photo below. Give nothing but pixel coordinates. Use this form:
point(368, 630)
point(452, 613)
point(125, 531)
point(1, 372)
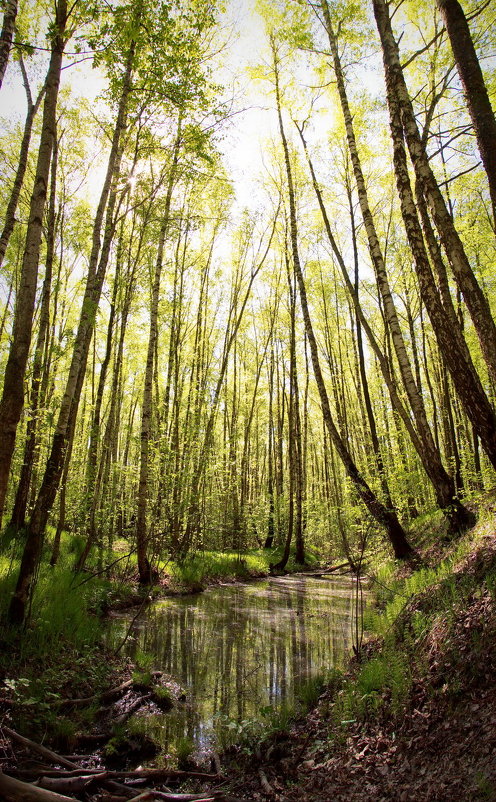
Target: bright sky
point(247, 130)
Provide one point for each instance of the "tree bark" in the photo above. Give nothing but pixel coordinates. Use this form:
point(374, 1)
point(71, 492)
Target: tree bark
point(387, 518)
point(22, 164)
point(70, 401)
point(144, 568)
point(431, 459)
point(13, 389)
point(478, 102)
point(476, 301)
point(444, 322)
point(7, 35)
point(18, 517)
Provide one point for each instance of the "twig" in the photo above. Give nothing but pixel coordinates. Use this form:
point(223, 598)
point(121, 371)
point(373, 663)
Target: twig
point(146, 599)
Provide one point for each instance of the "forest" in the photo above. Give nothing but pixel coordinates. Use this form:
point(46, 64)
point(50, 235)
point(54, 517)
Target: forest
point(247, 330)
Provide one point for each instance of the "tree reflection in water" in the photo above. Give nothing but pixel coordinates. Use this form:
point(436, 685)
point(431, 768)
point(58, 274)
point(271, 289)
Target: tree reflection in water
point(237, 649)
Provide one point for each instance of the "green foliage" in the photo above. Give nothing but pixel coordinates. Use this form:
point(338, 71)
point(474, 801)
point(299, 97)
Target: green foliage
point(248, 733)
point(383, 681)
point(394, 594)
point(184, 748)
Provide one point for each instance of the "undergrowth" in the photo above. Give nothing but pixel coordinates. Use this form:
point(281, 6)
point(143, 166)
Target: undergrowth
point(205, 566)
point(409, 605)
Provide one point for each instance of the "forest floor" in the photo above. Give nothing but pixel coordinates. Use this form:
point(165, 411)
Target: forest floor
point(434, 742)
point(413, 719)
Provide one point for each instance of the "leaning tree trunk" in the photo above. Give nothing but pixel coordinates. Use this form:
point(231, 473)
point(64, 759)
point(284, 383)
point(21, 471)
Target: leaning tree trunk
point(444, 322)
point(387, 518)
point(476, 301)
point(13, 389)
point(442, 482)
point(70, 401)
point(454, 511)
point(478, 102)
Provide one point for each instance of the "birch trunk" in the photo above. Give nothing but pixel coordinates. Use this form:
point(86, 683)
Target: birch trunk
point(387, 518)
point(431, 459)
point(476, 301)
point(13, 389)
point(70, 401)
point(7, 35)
point(478, 102)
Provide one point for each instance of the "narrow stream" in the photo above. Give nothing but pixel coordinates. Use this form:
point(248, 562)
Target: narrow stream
point(238, 650)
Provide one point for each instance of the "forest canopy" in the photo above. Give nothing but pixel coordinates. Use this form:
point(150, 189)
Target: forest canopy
point(246, 275)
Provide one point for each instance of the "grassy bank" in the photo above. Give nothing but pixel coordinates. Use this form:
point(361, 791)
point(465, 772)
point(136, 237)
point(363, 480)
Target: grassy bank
point(413, 717)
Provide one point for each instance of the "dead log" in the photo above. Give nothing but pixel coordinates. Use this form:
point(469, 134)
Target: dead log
point(105, 696)
point(53, 757)
point(70, 785)
point(144, 774)
point(12, 790)
point(206, 797)
point(120, 719)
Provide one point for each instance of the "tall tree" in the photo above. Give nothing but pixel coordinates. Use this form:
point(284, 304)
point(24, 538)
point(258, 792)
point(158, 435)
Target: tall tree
point(96, 272)
point(13, 388)
point(431, 459)
point(387, 518)
point(475, 299)
point(6, 36)
point(10, 214)
point(144, 568)
point(478, 102)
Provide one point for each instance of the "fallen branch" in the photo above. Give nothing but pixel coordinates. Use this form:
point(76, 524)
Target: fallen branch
point(53, 757)
point(209, 796)
point(12, 790)
point(120, 719)
point(158, 775)
point(102, 697)
point(70, 785)
point(264, 782)
point(145, 600)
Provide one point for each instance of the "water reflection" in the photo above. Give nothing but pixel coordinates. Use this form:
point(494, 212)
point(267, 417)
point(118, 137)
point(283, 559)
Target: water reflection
point(236, 649)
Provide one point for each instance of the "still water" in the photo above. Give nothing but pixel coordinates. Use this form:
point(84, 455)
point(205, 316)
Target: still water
point(238, 649)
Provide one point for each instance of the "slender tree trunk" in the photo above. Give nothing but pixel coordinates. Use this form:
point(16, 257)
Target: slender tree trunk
point(295, 491)
point(13, 389)
point(192, 515)
point(70, 401)
point(387, 518)
point(269, 540)
point(18, 517)
point(144, 567)
point(22, 164)
point(7, 35)
point(440, 480)
point(446, 328)
point(478, 102)
point(476, 301)
point(431, 459)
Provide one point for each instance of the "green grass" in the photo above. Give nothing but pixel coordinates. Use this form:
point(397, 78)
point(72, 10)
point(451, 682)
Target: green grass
point(200, 568)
